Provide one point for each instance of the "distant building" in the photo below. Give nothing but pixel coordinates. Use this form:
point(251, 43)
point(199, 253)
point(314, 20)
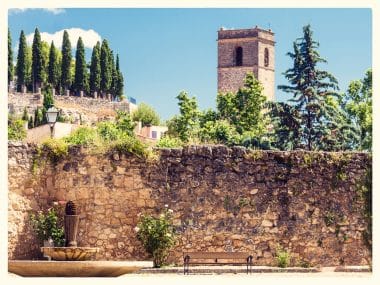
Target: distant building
point(151, 133)
point(246, 50)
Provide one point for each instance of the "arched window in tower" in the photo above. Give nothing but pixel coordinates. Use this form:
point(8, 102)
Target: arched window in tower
point(266, 57)
point(239, 56)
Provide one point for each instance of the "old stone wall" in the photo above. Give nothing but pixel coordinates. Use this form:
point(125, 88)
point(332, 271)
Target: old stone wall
point(74, 108)
point(224, 199)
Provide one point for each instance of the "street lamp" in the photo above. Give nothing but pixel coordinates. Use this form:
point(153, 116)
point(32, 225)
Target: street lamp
point(51, 116)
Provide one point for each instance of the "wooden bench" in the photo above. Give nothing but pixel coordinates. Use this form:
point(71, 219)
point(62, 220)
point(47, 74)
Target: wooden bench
point(216, 258)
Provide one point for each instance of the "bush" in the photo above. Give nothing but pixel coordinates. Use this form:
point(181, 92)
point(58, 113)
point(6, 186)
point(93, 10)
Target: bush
point(128, 144)
point(282, 257)
point(169, 142)
point(108, 131)
point(48, 225)
point(85, 136)
point(157, 235)
point(16, 129)
point(55, 148)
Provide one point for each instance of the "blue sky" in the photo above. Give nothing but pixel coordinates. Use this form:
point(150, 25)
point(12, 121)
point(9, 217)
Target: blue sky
point(164, 51)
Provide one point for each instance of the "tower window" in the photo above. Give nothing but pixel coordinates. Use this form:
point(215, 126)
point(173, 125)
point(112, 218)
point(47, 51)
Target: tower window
point(239, 56)
point(266, 57)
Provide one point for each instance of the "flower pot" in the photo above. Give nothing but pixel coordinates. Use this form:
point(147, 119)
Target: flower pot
point(71, 230)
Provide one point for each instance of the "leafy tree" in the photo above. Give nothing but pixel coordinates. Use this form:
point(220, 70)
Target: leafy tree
point(95, 69)
point(187, 123)
point(22, 58)
point(53, 67)
point(48, 99)
point(219, 131)
point(10, 57)
point(80, 67)
point(357, 102)
point(125, 123)
point(37, 60)
point(245, 109)
point(105, 67)
point(66, 68)
point(310, 87)
point(146, 115)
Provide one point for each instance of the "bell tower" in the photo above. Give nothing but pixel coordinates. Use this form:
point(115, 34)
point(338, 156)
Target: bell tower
point(245, 50)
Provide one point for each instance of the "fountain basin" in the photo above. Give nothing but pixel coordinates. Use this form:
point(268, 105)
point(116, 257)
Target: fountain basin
point(43, 268)
point(70, 253)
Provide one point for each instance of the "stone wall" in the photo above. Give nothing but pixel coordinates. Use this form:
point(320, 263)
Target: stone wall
point(224, 199)
point(76, 108)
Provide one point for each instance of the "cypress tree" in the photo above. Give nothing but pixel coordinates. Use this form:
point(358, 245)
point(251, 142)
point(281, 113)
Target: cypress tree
point(66, 61)
point(30, 122)
point(21, 68)
point(10, 58)
point(37, 60)
point(53, 67)
point(105, 68)
point(120, 79)
point(113, 75)
point(95, 69)
point(80, 67)
point(310, 88)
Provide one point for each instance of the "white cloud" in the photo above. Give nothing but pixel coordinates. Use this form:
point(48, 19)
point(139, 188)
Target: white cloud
point(89, 37)
point(54, 11)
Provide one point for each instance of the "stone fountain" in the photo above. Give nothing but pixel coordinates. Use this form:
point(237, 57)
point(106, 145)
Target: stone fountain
point(73, 260)
point(71, 250)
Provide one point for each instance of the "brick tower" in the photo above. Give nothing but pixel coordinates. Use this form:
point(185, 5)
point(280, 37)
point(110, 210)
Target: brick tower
point(244, 50)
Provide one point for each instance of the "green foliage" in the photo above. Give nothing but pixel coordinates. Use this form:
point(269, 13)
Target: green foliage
point(220, 132)
point(95, 69)
point(146, 115)
point(25, 115)
point(38, 117)
point(186, 123)
point(37, 60)
point(16, 129)
point(130, 144)
point(48, 98)
point(22, 61)
point(53, 66)
point(109, 131)
point(85, 136)
point(244, 110)
point(48, 225)
point(310, 88)
point(80, 67)
point(55, 149)
point(169, 142)
point(119, 81)
point(357, 102)
point(105, 67)
point(282, 257)
point(157, 234)
point(10, 58)
point(66, 68)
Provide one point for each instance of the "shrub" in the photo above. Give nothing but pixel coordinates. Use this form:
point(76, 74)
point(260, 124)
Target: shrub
point(157, 235)
point(169, 142)
point(82, 136)
point(129, 144)
point(48, 225)
point(108, 131)
point(16, 129)
point(55, 148)
point(282, 257)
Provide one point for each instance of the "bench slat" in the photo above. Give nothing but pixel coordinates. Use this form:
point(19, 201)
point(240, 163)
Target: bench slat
point(218, 255)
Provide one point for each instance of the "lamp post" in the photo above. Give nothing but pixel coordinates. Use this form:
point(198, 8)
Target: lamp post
point(51, 116)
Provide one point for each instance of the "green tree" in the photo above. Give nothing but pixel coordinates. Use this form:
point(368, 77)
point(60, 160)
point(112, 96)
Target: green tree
point(37, 60)
point(286, 123)
point(95, 69)
point(187, 123)
point(146, 115)
point(357, 102)
point(80, 67)
point(10, 57)
point(53, 67)
point(119, 80)
point(22, 58)
point(310, 87)
point(105, 67)
point(245, 109)
point(48, 98)
point(45, 51)
point(66, 74)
